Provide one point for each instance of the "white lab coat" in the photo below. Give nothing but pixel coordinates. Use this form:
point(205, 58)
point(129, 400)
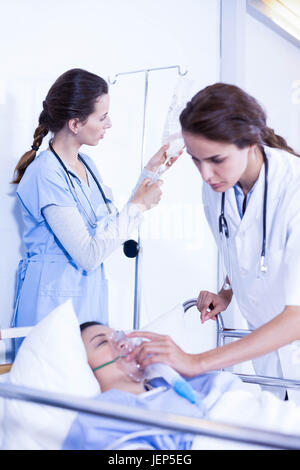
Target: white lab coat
point(262, 296)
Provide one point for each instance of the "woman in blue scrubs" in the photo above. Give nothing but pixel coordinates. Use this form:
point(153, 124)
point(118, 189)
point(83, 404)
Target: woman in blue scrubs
point(70, 224)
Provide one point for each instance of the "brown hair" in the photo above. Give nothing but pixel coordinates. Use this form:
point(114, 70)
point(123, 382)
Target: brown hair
point(73, 95)
point(226, 113)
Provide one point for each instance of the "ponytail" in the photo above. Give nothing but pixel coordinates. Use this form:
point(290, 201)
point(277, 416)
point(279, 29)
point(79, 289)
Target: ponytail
point(29, 156)
point(276, 141)
point(73, 95)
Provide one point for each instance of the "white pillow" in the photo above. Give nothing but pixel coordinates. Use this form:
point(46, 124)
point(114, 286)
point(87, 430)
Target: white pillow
point(3, 378)
point(171, 323)
point(52, 358)
point(185, 329)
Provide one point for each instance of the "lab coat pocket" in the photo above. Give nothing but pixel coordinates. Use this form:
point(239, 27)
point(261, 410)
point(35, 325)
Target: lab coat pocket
point(275, 260)
point(61, 280)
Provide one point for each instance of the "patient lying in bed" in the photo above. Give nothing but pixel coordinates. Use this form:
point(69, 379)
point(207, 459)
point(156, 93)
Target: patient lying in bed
point(118, 386)
point(53, 358)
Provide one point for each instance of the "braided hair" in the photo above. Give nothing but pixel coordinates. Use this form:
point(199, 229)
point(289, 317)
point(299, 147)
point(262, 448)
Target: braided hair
point(73, 95)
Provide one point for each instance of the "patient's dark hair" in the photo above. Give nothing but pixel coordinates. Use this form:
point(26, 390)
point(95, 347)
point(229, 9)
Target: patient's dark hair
point(85, 325)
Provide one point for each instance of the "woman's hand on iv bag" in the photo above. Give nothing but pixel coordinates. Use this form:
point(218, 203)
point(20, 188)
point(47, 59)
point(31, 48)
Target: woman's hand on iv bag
point(147, 195)
point(162, 349)
point(210, 304)
point(160, 158)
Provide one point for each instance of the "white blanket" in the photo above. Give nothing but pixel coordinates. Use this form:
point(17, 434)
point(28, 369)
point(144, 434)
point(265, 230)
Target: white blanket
point(3, 378)
point(259, 410)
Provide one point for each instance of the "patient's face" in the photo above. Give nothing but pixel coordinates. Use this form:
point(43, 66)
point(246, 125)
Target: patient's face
point(96, 339)
point(100, 349)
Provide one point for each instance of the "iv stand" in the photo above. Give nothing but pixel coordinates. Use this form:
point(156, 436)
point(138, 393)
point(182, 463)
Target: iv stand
point(138, 255)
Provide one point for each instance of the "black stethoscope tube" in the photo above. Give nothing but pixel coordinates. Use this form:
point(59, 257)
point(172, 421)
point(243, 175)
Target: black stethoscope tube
point(130, 247)
point(223, 222)
point(90, 171)
point(263, 251)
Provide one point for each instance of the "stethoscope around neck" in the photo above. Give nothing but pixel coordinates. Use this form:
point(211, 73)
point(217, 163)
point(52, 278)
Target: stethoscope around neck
point(106, 201)
point(224, 230)
point(130, 247)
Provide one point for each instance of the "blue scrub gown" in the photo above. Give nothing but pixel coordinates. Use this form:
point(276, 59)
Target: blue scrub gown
point(94, 432)
point(47, 276)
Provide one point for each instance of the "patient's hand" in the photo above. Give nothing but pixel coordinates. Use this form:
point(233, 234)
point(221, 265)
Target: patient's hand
point(210, 305)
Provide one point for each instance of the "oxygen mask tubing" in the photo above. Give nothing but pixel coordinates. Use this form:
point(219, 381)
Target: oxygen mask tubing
point(121, 346)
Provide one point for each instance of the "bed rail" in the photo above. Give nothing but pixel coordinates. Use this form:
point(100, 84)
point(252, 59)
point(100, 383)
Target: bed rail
point(223, 333)
point(18, 332)
point(9, 333)
point(161, 420)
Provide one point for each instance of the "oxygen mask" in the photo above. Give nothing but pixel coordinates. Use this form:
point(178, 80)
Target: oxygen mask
point(121, 347)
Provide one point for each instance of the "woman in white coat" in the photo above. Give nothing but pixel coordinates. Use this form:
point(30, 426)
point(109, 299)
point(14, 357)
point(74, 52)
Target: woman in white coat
point(251, 190)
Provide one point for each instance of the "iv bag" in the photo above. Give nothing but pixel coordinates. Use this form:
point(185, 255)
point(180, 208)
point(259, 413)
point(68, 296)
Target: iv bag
point(172, 129)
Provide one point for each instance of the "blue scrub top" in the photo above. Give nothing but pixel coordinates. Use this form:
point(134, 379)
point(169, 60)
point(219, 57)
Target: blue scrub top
point(240, 197)
point(47, 275)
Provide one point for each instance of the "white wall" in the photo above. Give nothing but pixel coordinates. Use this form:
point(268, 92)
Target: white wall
point(39, 41)
point(272, 76)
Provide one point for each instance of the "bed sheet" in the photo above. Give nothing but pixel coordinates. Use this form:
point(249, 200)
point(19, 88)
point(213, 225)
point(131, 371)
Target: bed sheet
point(261, 410)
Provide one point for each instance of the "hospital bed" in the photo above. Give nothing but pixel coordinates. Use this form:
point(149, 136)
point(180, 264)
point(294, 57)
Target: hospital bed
point(222, 333)
point(158, 420)
point(199, 427)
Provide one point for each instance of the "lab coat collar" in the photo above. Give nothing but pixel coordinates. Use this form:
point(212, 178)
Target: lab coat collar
point(255, 205)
